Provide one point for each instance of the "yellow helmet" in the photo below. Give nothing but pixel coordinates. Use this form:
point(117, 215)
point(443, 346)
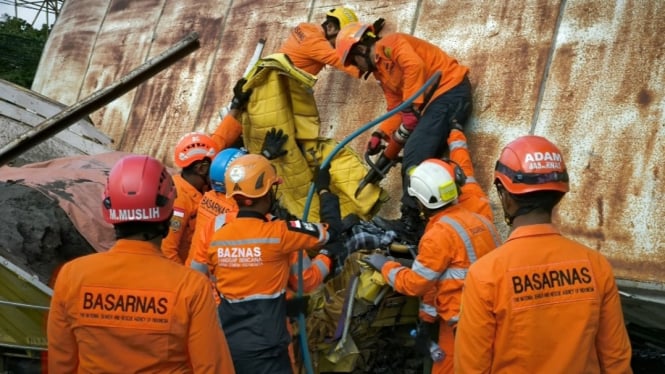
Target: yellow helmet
point(343, 15)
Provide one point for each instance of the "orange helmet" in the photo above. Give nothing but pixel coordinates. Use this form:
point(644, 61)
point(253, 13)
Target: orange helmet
point(531, 163)
point(250, 176)
point(348, 37)
point(194, 146)
point(138, 189)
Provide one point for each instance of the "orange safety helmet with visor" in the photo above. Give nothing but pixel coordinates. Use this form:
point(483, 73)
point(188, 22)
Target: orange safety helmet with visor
point(349, 36)
point(531, 163)
point(192, 147)
point(251, 176)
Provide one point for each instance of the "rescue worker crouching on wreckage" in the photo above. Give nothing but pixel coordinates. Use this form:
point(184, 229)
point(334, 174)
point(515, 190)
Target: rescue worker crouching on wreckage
point(402, 63)
point(453, 238)
point(130, 309)
point(249, 258)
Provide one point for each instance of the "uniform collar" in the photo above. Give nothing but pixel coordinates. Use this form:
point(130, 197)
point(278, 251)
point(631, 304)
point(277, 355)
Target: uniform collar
point(251, 214)
point(136, 246)
point(186, 188)
point(533, 230)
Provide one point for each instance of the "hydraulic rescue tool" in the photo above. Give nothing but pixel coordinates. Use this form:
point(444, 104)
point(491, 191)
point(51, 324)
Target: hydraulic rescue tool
point(386, 160)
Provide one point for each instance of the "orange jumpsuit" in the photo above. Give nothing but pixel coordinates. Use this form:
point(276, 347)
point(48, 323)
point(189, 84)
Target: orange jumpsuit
point(472, 198)
point(183, 222)
point(211, 205)
point(309, 50)
point(250, 260)
point(403, 65)
point(227, 133)
point(541, 303)
point(130, 310)
point(453, 239)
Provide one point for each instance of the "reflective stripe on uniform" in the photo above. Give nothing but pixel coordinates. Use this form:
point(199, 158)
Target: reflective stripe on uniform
point(202, 268)
point(457, 144)
point(220, 220)
point(470, 180)
point(463, 235)
point(219, 243)
point(256, 297)
point(428, 309)
point(306, 264)
point(424, 271)
point(454, 273)
point(491, 229)
point(323, 267)
point(392, 274)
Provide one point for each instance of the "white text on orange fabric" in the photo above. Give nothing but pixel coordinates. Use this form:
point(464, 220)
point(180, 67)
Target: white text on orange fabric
point(239, 256)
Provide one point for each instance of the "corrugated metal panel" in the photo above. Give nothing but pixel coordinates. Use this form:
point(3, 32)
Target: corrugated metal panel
point(590, 75)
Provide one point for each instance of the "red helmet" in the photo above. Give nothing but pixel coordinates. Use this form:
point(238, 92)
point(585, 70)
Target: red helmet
point(139, 188)
point(531, 163)
point(348, 37)
point(194, 146)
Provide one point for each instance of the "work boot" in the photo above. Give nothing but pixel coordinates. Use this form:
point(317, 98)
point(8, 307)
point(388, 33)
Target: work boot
point(409, 227)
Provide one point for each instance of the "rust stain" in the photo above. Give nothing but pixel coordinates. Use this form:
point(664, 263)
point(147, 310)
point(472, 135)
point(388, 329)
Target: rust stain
point(602, 99)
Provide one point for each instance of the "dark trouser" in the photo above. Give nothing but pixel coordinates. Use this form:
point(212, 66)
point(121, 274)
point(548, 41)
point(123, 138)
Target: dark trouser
point(280, 364)
point(429, 139)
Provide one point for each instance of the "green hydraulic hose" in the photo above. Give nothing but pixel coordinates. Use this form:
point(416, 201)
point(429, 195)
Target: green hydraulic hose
point(301, 316)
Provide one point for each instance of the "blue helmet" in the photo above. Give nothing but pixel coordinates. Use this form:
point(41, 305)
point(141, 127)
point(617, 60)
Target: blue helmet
point(219, 164)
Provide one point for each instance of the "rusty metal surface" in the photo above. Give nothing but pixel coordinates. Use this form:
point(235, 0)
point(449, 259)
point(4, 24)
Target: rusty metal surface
point(588, 74)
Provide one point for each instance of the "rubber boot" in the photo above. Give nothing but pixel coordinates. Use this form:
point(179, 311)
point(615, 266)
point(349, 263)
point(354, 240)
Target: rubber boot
point(409, 227)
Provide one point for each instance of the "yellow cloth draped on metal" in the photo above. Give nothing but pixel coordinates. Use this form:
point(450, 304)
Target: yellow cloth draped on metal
point(282, 98)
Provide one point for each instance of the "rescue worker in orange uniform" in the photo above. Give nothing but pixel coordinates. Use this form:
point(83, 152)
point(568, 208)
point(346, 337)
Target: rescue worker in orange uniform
point(130, 309)
point(402, 63)
point(193, 154)
point(250, 260)
point(311, 47)
point(540, 303)
point(471, 197)
point(214, 203)
point(453, 239)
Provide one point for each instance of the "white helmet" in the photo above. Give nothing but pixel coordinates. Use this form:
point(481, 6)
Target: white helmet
point(433, 183)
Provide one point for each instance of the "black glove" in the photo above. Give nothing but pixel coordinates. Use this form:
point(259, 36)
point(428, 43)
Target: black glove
point(240, 98)
point(297, 305)
point(333, 249)
point(323, 179)
point(423, 338)
point(273, 143)
point(378, 25)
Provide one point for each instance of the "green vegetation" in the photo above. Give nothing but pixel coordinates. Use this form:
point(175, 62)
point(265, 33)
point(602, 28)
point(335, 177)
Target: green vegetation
point(21, 47)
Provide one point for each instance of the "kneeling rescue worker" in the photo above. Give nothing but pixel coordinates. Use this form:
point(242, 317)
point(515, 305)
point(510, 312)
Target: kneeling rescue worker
point(131, 310)
point(249, 258)
point(453, 239)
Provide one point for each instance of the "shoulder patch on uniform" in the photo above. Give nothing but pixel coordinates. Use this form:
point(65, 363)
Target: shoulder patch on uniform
point(176, 223)
point(178, 212)
point(303, 227)
point(388, 52)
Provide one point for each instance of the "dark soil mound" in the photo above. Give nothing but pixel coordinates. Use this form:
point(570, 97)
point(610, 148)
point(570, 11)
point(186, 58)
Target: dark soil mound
point(35, 233)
